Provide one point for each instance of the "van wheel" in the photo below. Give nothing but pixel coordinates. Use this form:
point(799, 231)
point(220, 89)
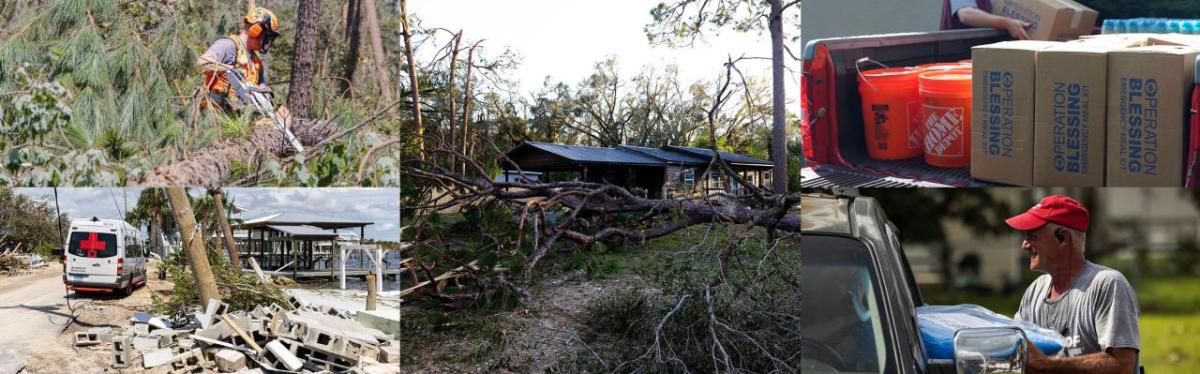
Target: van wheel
point(128, 288)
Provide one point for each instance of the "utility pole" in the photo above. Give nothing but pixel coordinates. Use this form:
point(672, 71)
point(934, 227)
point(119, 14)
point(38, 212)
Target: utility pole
point(193, 244)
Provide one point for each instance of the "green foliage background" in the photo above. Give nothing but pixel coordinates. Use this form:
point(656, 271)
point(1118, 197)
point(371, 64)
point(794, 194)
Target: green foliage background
point(93, 92)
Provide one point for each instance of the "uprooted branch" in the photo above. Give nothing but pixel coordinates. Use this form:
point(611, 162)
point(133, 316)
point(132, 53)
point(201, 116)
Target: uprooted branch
point(211, 167)
point(569, 209)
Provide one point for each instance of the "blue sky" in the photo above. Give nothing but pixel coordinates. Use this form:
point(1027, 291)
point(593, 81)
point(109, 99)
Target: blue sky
point(378, 205)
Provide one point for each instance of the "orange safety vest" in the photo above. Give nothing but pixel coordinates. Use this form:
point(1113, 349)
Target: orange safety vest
point(219, 92)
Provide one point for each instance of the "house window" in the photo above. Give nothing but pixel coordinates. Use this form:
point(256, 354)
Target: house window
point(688, 177)
point(716, 180)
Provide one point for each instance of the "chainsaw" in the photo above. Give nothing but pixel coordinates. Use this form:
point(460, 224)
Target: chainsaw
point(256, 97)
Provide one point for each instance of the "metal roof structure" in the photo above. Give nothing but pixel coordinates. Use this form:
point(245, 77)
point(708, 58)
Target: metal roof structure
point(730, 157)
point(592, 155)
point(665, 155)
point(301, 219)
point(304, 232)
point(621, 155)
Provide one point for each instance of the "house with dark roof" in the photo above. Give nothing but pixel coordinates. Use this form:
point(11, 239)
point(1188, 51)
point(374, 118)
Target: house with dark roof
point(671, 171)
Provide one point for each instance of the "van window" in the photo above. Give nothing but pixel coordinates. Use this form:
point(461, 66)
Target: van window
point(133, 247)
point(93, 244)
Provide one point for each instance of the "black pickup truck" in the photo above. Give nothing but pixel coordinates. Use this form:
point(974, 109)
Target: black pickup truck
point(832, 129)
point(860, 297)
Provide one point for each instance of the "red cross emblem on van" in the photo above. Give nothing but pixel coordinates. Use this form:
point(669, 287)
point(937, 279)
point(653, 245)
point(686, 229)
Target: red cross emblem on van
point(92, 244)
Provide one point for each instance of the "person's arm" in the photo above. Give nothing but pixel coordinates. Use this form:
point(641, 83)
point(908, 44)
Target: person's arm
point(978, 18)
point(210, 63)
point(217, 58)
point(1112, 360)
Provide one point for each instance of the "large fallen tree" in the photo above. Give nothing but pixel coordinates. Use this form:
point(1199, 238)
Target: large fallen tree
point(211, 167)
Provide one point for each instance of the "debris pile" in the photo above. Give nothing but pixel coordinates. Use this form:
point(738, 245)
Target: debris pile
point(307, 339)
point(13, 262)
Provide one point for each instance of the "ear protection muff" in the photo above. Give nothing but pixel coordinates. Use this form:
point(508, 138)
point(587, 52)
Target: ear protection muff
point(261, 21)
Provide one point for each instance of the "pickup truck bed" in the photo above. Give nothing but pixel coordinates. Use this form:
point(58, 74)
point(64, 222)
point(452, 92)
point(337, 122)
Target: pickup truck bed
point(833, 132)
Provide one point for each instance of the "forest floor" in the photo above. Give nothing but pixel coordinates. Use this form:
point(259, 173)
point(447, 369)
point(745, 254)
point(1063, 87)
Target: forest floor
point(552, 333)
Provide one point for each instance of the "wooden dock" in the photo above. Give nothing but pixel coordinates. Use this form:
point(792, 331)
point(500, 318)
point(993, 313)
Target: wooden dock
point(324, 273)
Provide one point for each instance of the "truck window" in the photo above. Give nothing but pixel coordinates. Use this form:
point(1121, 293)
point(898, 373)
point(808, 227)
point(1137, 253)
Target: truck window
point(92, 244)
point(842, 331)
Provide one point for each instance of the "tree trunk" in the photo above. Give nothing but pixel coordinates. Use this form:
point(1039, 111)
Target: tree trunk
point(193, 244)
point(211, 167)
point(779, 180)
point(381, 73)
point(412, 79)
point(466, 126)
point(226, 231)
point(453, 98)
point(353, 38)
point(156, 239)
point(304, 61)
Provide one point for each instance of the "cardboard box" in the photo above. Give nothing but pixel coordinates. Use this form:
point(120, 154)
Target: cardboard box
point(1049, 19)
point(1175, 39)
point(1002, 92)
point(1069, 117)
point(1148, 105)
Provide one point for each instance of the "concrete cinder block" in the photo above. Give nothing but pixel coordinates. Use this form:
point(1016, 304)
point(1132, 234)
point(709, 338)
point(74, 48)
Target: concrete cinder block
point(84, 338)
point(355, 348)
point(217, 331)
point(229, 360)
point(121, 359)
point(166, 337)
point(386, 320)
point(326, 341)
point(215, 308)
point(186, 344)
point(141, 329)
point(123, 343)
point(104, 334)
point(146, 343)
point(157, 358)
point(389, 354)
point(285, 358)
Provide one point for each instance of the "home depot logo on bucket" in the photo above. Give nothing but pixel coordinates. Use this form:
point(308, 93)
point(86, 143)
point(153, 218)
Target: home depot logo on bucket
point(944, 131)
point(915, 135)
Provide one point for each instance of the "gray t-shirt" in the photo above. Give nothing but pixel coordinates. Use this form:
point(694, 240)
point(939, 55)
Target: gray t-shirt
point(223, 50)
point(1098, 312)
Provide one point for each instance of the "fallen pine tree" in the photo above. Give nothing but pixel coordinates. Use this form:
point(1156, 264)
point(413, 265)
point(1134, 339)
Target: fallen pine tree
point(211, 168)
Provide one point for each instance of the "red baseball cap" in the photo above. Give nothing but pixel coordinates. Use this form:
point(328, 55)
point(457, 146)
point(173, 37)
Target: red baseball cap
point(1059, 209)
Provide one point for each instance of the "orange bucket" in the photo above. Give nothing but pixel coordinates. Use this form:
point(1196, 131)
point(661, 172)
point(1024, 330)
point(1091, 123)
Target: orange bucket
point(941, 66)
point(891, 105)
point(946, 117)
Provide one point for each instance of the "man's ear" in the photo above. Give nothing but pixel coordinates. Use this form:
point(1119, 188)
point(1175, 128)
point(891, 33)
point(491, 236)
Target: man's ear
point(1061, 235)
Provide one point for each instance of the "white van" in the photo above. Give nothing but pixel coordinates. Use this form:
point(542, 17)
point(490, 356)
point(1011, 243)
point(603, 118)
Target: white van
point(104, 255)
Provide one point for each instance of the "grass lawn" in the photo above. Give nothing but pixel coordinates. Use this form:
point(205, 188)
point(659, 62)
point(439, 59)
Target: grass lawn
point(1170, 342)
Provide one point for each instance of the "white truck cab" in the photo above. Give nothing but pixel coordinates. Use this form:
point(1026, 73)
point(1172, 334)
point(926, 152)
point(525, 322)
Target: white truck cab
point(104, 255)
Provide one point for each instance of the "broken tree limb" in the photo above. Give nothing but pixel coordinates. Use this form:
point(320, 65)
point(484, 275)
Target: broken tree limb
point(242, 333)
point(210, 168)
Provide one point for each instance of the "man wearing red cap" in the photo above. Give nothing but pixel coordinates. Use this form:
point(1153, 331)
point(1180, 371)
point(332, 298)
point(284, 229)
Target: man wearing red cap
point(1093, 306)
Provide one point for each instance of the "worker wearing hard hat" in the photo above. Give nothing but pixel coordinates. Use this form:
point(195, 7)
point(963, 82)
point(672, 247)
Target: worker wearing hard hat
point(240, 52)
point(964, 14)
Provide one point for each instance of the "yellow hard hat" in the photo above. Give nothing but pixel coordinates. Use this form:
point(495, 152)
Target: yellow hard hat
point(262, 20)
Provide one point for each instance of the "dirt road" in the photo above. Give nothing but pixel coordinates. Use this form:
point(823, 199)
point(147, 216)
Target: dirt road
point(33, 312)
